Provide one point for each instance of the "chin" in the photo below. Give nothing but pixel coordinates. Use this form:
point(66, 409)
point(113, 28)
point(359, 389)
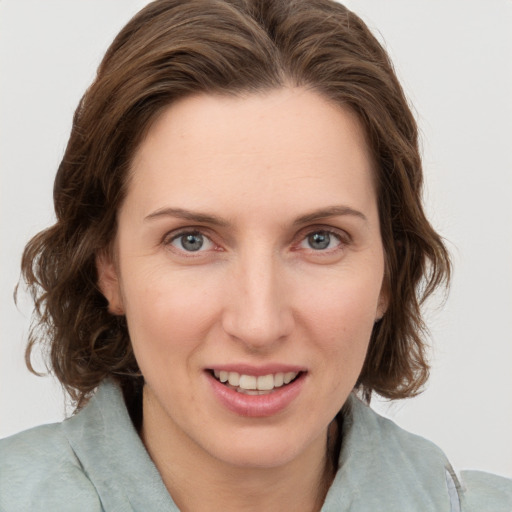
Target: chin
point(265, 449)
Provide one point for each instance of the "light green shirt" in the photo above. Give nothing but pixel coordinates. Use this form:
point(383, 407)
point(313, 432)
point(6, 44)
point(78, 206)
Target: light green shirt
point(95, 461)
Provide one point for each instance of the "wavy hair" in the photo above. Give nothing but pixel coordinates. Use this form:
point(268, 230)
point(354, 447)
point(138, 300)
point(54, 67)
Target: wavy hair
point(175, 48)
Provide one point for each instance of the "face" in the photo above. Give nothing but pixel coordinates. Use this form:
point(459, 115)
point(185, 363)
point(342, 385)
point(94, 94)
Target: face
point(249, 265)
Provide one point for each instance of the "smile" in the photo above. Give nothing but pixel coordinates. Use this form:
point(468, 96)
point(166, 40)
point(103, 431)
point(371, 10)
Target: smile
point(252, 384)
point(256, 392)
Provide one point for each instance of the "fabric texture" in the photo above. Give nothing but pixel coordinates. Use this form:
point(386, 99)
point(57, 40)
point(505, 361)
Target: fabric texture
point(95, 461)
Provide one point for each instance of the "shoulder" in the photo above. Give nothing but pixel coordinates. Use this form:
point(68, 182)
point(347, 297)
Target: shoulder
point(485, 491)
point(389, 464)
point(92, 461)
point(474, 490)
point(39, 471)
point(397, 444)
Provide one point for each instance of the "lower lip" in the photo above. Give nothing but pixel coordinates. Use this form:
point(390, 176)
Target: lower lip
point(257, 406)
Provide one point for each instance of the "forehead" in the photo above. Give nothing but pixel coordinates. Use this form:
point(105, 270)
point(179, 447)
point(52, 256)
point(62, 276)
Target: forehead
point(284, 144)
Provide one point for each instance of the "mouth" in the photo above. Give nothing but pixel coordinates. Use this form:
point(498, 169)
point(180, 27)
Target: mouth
point(255, 385)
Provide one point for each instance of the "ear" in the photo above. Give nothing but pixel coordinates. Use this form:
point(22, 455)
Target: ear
point(108, 282)
point(383, 303)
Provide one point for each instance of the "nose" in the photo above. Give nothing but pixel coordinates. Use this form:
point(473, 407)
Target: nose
point(258, 311)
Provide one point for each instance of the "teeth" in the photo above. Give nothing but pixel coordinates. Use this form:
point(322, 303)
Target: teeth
point(234, 378)
point(248, 382)
point(265, 383)
point(251, 392)
point(289, 376)
point(253, 384)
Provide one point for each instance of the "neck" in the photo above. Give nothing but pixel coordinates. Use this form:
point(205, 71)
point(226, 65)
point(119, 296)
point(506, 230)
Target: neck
point(199, 482)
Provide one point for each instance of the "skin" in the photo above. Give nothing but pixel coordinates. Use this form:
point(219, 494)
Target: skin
point(256, 293)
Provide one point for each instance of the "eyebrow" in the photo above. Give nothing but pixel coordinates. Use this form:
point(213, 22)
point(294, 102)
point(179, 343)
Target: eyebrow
point(331, 211)
point(205, 218)
point(181, 213)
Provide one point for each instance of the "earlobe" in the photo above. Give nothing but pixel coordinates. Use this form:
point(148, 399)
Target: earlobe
point(382, 305)
point(108, 282)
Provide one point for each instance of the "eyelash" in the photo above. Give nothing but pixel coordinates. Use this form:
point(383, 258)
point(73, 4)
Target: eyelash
point(342, 237)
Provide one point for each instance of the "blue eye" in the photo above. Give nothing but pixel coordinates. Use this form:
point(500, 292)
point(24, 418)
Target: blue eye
point(321, 240)
point(191, 242)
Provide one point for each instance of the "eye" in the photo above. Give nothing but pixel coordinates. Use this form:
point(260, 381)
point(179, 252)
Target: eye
point(191, 241)
point(321, 240)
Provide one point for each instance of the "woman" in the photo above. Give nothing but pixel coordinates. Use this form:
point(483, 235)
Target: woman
point(240, 243)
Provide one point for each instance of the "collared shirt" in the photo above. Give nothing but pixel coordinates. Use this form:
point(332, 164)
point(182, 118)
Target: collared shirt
point(95, 461)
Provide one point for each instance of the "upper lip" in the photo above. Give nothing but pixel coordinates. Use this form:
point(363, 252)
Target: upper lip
point(257, 371)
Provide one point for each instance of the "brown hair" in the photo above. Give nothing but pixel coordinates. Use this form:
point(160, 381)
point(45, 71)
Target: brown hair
point(174, 48)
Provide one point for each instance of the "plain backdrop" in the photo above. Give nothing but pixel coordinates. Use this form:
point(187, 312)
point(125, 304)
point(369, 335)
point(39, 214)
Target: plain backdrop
point(454, 59)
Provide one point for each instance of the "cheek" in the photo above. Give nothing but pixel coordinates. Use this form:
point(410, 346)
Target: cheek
point(342, 316)
point(167, 314)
